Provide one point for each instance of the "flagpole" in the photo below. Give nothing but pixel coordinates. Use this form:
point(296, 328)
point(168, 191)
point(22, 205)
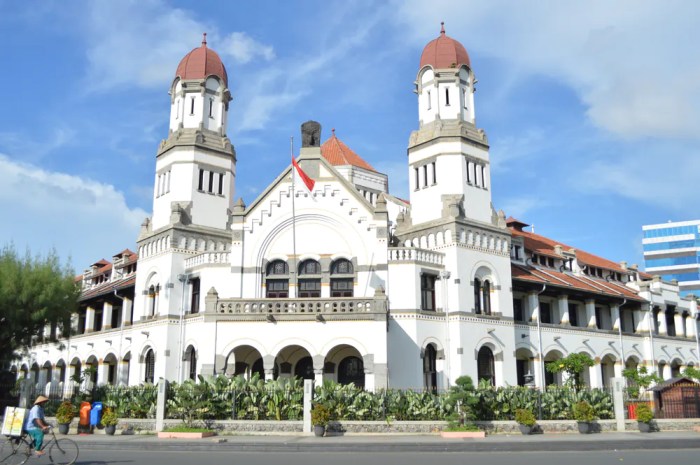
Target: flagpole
point(294, 221)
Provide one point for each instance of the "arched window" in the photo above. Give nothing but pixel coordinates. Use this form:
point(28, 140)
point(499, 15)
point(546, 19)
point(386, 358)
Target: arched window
point(153, 299)
point(486, 297)
point(150, 371)
point(191, 357)
point(310, 279)
point(429, 368)
point(485, 366)
point(277, 280)
point(351, 370)
point(342, 278)
point(304, 368)
point(477, 296)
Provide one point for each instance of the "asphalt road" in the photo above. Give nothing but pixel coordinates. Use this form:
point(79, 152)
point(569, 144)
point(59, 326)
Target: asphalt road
point(647, 457)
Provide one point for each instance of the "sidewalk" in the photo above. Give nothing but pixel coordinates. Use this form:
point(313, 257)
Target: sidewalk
point(397, 442)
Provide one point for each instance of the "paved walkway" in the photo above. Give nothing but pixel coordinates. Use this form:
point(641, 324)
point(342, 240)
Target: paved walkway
point(397, 442)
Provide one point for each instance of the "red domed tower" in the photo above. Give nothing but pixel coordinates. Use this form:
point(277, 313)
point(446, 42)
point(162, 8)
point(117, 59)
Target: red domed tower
point(195, 165)
point(448, 155)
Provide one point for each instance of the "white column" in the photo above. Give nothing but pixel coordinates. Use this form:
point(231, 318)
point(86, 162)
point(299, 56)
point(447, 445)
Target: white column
point(689, 326)
point(127, 305)
point(663, 328)
point(107, 315)
point(89, 320)
point(563, 304)
point(678, 322)
point(590, 314)
point(595, 375)
point(102, 372)
point(615, 317)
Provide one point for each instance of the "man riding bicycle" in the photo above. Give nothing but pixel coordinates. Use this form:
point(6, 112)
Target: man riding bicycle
point(35, 424)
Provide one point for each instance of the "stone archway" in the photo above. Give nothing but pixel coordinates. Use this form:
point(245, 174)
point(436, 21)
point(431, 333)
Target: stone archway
point(293, 360)
point(244, 361)
point(345, 365)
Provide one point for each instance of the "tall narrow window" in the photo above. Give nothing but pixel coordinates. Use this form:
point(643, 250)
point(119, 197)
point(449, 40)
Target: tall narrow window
point(483, 176)
point(192, 106)
point(430, 103)
point(201, 180)
point(177, 113)
point(430, 368)
point(192, 362)
point(427, 292)
point(486, 296)
point(477, 296)
point(434, 174)
point(150, 368)
point(211, 182)
point(425, 175)
point(167, 181)
point(221, 184)
point(415, 170)
point(518, 310)
point(211, 108)
point(545, 312)
point(447, 97)
point(194, 300)
point(464, 96)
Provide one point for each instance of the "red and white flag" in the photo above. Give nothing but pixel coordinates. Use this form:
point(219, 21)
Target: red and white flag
point(308, 182)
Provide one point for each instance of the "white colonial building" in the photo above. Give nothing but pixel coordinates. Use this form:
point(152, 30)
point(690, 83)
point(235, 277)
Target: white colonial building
point(345, 282)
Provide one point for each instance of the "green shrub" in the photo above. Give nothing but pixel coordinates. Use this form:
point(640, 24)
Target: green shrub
point(65, 412)
point(109, 417)
point(644, 413)
point(583, 412)
point(525, 417)
point(320, 416)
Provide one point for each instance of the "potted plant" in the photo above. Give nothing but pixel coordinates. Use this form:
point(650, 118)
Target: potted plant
point(110, 420)
point(584, 414)
point(525, 419)
point(319, 418)
point(644, 417)
point(64, 416)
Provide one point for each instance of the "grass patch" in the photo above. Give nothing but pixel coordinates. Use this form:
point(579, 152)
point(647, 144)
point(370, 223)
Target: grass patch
point(186, 429)
point(466, 427)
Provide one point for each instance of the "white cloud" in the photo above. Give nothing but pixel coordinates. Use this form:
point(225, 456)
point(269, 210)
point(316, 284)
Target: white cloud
point(81, 218)
point(244, 48)
point(634, 64)
point(665, 176)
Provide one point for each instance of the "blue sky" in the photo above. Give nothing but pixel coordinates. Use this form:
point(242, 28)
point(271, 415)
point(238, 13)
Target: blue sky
point(592, 108)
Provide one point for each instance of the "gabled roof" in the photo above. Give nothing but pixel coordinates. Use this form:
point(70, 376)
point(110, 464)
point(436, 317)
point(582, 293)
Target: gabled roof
point(339, 154)
point(671, 381)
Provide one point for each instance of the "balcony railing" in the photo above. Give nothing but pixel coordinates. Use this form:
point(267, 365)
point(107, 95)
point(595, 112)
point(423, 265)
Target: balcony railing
point(208, 258)
point(410, 254)
point(353, 307)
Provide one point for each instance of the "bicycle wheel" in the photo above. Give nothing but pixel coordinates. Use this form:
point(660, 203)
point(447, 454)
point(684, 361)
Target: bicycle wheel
point(63, 452)
point(15, 451)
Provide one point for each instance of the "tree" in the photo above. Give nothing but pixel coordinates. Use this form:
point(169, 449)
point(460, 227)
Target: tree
point(573, 365)
point(639, 378)
point(35, 292)
point(692, 373)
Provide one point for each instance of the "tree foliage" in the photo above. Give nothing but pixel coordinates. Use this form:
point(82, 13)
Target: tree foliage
point(35, 292)
point(639, 378)
point(573, 365)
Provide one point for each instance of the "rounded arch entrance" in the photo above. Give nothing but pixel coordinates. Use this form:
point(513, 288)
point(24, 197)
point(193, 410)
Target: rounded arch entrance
point(525, 366)
point(244, 361)
point(344, 364)
point(549, 377)
point(607, 370)
point(294, 361)
point(110, 369)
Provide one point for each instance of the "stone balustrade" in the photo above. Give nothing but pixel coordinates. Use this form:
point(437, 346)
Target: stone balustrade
point(208, 258)
point(410, 254)
point(357, 307)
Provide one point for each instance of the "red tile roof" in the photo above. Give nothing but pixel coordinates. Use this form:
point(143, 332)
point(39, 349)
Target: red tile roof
point(201, 63)
point(339, 154)
point(108, 288)
point(444, 52)
point(568, 280)
point(545, 246)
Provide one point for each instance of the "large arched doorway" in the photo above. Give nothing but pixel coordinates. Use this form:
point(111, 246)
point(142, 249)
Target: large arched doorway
point(607, 370)
point(149, 369)
point(486, 367)
point(524, 366)
point(244, 361)
point(552, 379)
point(344, 364)
point(190, 362)
point(292, 361)
point(110, 369)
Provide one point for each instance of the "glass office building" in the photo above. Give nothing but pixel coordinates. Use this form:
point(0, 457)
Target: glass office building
point(672, 250)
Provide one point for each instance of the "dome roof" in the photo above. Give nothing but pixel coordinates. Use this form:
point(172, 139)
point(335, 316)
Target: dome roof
point(201, 63)
point(444, 52)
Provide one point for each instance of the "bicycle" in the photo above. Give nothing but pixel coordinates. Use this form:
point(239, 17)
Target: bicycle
point(17, 450)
